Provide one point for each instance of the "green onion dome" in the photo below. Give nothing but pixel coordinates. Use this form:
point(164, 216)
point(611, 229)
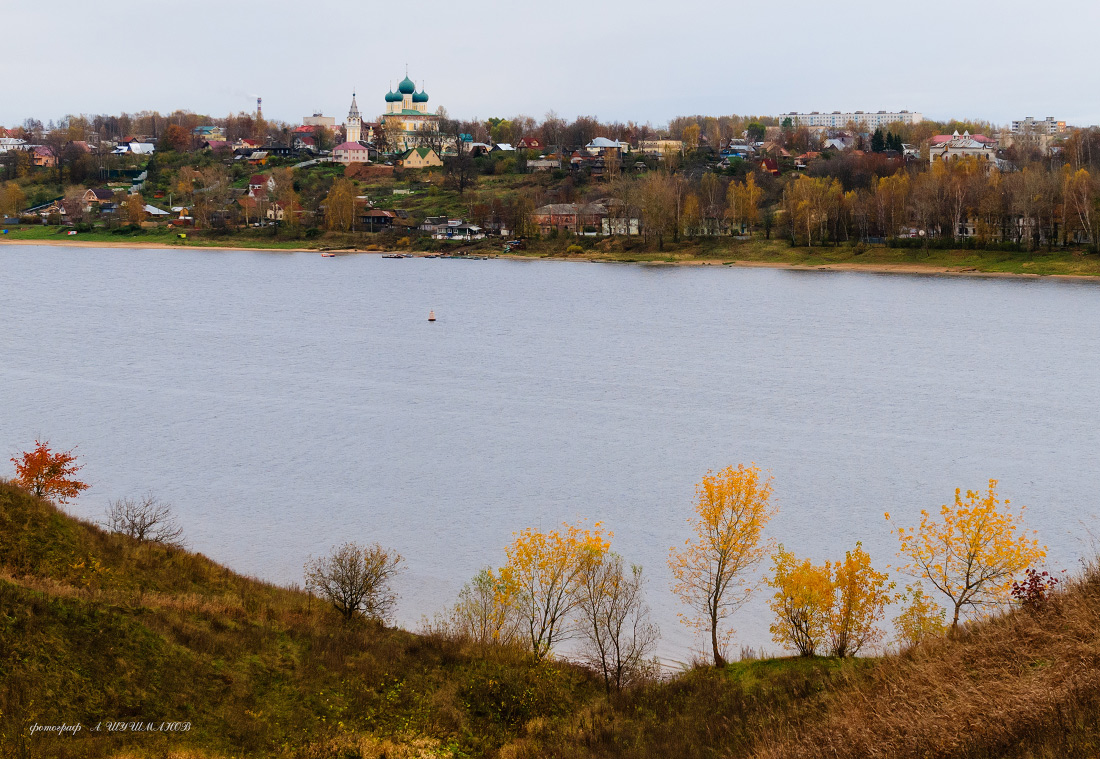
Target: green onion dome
point(420, 97)
point(393, 97)
point(407, 86)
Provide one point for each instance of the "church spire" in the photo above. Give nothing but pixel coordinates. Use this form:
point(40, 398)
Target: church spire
point(354, 126)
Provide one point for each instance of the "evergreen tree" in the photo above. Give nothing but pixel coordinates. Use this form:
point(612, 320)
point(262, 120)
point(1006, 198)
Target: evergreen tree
point(878, 142)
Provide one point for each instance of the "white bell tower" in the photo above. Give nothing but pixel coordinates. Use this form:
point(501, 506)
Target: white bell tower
point(354, 126)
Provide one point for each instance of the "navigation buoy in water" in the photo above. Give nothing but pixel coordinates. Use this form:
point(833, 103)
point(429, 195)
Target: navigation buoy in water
point(431, 316)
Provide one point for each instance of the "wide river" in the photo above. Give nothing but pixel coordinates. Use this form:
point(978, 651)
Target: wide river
point(285, 402)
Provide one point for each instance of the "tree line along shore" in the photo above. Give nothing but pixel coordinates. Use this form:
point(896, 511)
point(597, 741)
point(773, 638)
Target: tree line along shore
point(1029, 208)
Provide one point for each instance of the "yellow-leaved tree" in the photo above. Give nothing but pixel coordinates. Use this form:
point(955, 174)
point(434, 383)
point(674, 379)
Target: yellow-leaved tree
point(542, 577)
point(971, 553)
point(920, 617)
point(838, 605)
point(801, 602)
point(732, 507)
point(859, 599)
point(340, 206)
point(743, 200)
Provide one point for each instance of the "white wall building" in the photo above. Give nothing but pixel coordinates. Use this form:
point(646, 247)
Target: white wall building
point(840, 119)
point(320, 120)
point(946, 147)
point(1030, 125)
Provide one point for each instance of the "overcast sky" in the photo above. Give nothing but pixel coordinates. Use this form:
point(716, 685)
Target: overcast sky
point(641, 60)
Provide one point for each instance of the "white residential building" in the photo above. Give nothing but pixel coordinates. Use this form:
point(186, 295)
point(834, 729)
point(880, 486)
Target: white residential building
point(12, 143)
point(351, 152)
point(1031, 125)
point(838, 119)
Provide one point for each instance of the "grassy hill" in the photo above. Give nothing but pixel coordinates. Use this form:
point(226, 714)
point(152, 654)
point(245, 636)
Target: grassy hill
point(96, 628)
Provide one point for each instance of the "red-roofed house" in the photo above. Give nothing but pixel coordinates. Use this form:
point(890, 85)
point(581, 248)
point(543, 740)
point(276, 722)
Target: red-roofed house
point(260, 182)
point(945, 147)
point(769, 165)
point(43, 156)
point(801, 161)
point(529, 143)
point(350, 152)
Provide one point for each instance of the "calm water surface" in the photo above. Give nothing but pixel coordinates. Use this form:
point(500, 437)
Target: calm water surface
point(285, 402)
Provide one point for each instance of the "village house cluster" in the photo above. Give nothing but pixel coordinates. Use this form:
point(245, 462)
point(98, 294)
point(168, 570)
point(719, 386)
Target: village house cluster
point(408, 137)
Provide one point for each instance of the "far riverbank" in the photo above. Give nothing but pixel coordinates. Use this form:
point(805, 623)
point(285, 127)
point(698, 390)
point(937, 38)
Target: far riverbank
point(756, 253)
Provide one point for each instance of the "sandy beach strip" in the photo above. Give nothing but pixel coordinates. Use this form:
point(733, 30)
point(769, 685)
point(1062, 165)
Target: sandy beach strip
point(874, 268)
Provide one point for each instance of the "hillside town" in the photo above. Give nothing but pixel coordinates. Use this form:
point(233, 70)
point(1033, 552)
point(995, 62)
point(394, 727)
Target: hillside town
point(815, 178)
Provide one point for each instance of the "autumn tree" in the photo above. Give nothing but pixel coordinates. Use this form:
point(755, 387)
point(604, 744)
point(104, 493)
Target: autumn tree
point(656, 199)
point(732, 507)
point(801, 603)
point(47, 474)
point(1082, 215)
point(811, 206)
point(691, 137)
point(12, 199)
point(356, 580)
point(920, 617)
point(287, 201)
point(691, 216)
point(743, 202)
point(859, 597)
point(391, 136)
point(542, 578)
point(135, 209)
point(890, 198)
point(175, 137)
point(482, 613)
point(836, 606)
point(340, 206)
point(614, 622)
point(971, 553)
point(712, 194)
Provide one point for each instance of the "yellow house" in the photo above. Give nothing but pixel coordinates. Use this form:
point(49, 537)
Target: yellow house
point(419, 158)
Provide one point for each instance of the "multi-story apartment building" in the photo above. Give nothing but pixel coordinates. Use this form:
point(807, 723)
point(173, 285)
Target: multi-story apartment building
point(867, 119)
point(1041, 126)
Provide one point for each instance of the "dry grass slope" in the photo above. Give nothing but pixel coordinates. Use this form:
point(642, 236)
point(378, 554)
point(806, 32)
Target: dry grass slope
point(1026, 684)
point(95, 626)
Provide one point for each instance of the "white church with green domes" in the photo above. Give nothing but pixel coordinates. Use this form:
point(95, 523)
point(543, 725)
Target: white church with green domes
point(407, 115)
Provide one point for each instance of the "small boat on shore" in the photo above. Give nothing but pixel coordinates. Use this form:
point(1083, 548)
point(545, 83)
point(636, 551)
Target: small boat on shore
point(431, 316)
point(392, 255)
point(328, 255)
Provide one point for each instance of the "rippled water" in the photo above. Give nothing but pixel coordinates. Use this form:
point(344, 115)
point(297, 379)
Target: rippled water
point(286, 402)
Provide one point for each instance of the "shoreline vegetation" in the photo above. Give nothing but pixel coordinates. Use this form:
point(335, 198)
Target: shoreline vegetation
point(105, 629)
point(753, 253)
